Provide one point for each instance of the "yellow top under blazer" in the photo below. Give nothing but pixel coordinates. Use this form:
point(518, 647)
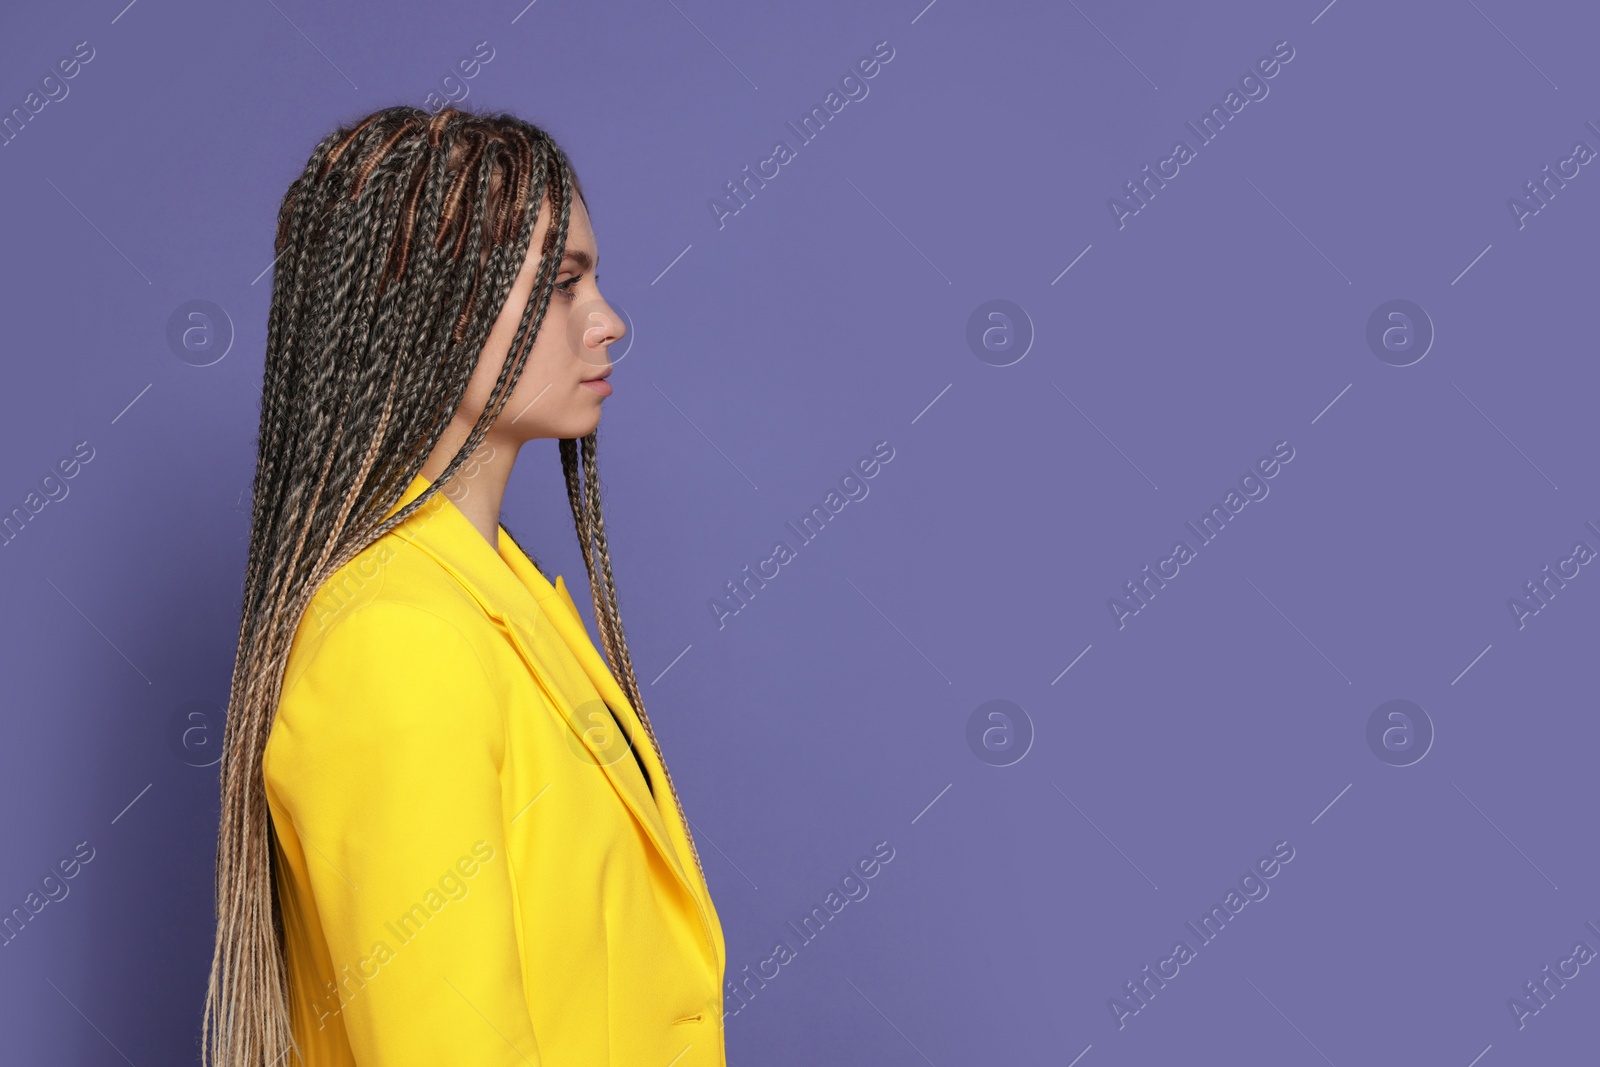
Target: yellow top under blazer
point(471, 867)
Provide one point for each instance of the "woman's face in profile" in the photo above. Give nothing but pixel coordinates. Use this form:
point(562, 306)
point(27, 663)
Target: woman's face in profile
point(560, 391)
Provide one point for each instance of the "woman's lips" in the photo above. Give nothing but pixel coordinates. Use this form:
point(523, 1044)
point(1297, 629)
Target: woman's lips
point(598, 385)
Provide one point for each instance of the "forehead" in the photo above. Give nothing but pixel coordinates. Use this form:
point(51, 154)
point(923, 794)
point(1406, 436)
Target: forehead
point(580, 235)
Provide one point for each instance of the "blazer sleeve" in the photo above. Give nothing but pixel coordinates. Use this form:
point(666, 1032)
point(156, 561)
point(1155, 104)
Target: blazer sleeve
point(390, 771)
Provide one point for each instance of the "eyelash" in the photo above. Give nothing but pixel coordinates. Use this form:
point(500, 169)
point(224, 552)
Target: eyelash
point(566, 286)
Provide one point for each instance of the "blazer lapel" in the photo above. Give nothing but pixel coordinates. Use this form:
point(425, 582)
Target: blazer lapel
point(508, 588)
point(562, 614)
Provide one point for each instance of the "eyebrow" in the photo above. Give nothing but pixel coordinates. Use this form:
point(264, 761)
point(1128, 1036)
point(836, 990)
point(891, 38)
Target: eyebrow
point(582, 258)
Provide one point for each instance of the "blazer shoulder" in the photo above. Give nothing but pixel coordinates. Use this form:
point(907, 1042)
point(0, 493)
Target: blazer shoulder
point(392, 681)
point(392, 582)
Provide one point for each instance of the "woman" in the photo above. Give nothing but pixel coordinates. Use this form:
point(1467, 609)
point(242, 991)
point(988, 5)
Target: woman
point(447, 834)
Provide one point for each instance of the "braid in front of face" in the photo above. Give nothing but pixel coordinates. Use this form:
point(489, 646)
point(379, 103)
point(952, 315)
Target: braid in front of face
point(396, 248)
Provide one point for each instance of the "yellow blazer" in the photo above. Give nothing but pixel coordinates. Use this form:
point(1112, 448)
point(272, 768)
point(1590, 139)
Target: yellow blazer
point(471, 866)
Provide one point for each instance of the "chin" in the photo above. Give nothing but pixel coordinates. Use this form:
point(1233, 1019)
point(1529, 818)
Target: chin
point(583, 427)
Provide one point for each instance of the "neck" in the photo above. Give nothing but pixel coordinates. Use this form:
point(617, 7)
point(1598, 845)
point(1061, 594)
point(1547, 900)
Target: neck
point(479, 484)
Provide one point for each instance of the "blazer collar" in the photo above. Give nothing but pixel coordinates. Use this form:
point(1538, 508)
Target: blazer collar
point(511, 590)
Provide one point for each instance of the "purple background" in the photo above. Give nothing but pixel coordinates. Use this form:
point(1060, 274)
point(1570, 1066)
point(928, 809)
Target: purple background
point(831, 713)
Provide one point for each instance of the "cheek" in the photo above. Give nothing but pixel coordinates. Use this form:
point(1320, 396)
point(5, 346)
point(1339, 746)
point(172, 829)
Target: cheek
point(550, 359)
point(552, 331)
point(476, 397)
point(548, 401)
